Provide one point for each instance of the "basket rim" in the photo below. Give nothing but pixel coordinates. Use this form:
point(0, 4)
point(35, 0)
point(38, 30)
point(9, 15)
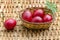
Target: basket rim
point(33, 22)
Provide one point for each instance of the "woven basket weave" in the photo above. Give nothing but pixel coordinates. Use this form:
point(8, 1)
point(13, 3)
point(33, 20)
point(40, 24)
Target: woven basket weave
point(30, 25)
point(12, 8)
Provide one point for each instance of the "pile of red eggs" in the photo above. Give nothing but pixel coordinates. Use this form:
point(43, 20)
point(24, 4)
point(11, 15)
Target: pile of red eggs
point(37, 16)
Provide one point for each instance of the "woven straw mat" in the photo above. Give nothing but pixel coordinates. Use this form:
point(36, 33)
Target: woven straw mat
point(12, 8)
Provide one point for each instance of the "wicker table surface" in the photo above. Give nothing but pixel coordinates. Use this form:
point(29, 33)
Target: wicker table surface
point(12, 8)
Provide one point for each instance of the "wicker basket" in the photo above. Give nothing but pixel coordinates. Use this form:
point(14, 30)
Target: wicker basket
point(30, 25)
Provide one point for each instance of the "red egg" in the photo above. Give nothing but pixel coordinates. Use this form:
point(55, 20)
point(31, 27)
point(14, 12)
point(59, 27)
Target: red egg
point(10, 24)
point(47, 18)
point(37, 19)
point(38, 12)
point(27, 15)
